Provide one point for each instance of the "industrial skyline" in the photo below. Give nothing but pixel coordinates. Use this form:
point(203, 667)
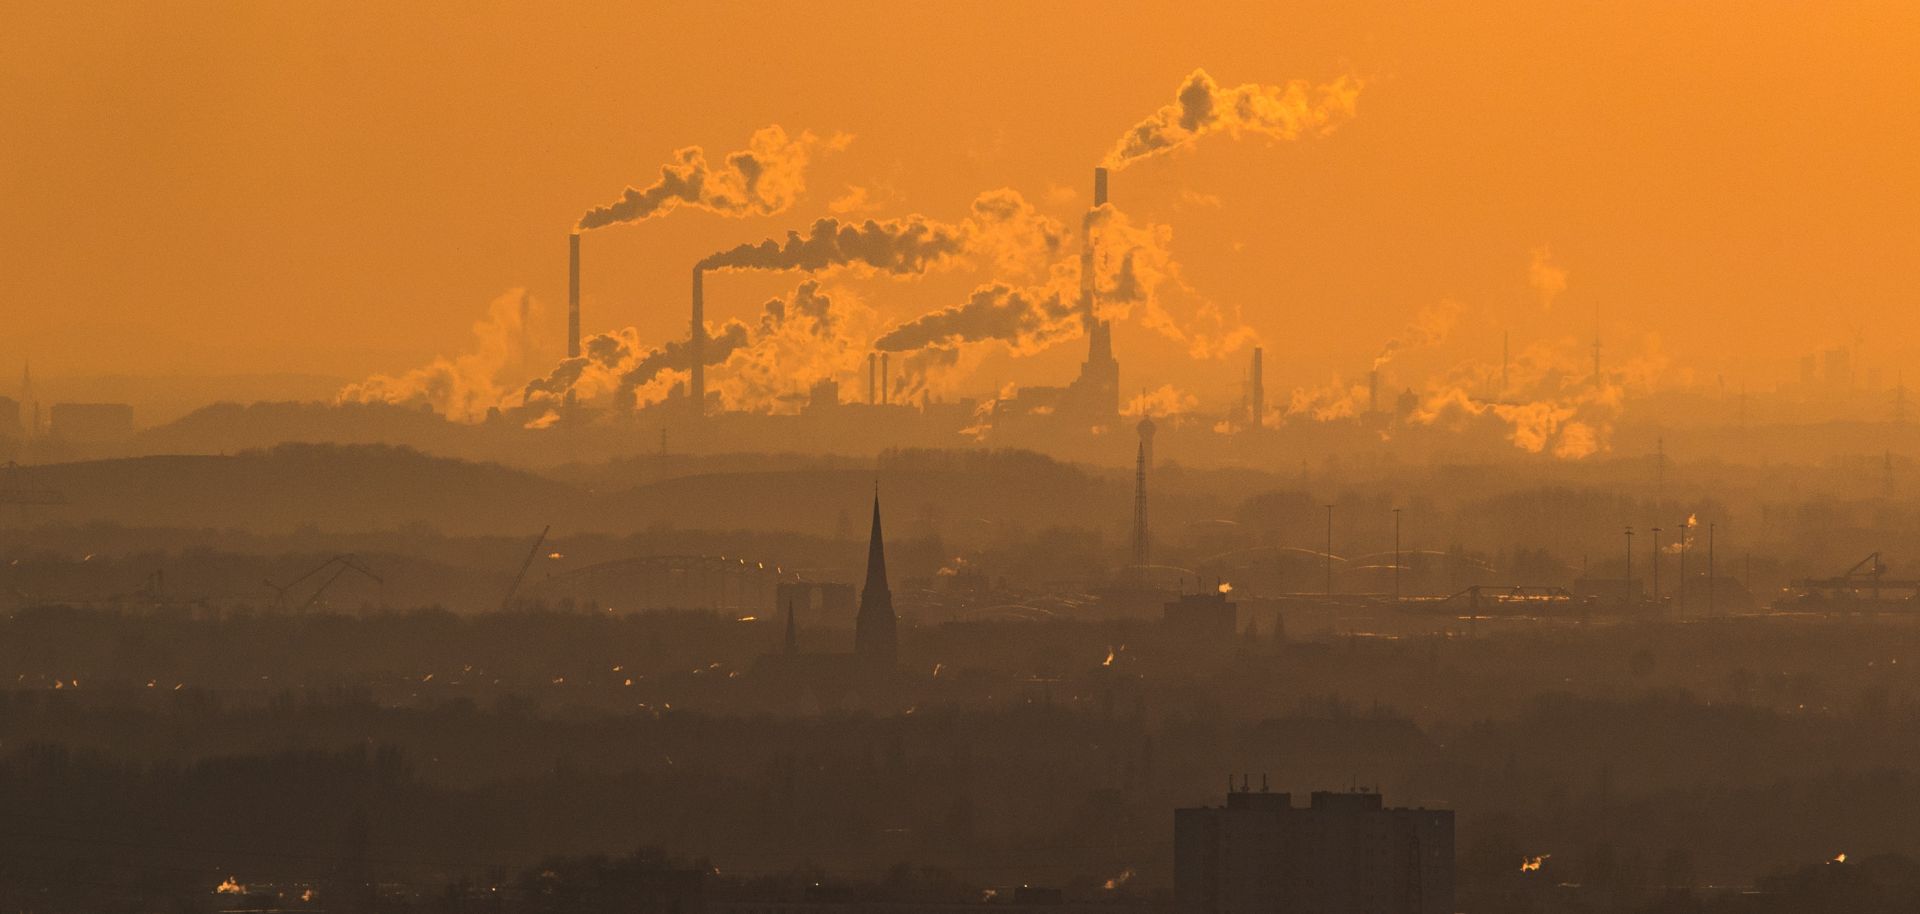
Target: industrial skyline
point(988, 458)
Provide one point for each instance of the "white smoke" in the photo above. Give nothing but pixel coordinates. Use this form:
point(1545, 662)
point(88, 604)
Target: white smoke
point(463, 387)
point(1201, 106)
point(763, 179)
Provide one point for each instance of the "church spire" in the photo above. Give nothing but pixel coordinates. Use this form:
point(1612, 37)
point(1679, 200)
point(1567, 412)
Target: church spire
point(876, 553)
point(875, 635)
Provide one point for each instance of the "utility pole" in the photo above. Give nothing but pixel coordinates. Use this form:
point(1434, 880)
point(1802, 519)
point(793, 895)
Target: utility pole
point(1329, 550)
point(1685, 526)
point(1656, 567)
point(1626, 590)
point(1396, 555)
point(1710, 526)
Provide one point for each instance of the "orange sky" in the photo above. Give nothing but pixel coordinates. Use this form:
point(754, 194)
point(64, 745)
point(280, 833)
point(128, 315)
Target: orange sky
point(342, 189)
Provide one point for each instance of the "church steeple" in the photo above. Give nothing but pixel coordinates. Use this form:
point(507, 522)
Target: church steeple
point(875, 629)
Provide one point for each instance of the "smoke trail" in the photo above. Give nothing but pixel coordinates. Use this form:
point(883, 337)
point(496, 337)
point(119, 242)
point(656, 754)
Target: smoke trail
point(1201, 107)
point(1001, 227)
point(806, 335)
point(1554, 406)
point(1338, 398)
point(465, 386)
point(1546, 278)
point(1132, 264)
point(1429, 327)
point(900, 246)
point(763, 179)
point(804, 338)
point(1166, 400)
point(1027, 320)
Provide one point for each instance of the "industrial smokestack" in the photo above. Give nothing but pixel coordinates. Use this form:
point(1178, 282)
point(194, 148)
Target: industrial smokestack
point(1099, 186)
point(697, 345)
point(873, 378)
point(886, 380)
point(573, 295)
point(1373, 391)
point(1506, 343)
point(1259, 390)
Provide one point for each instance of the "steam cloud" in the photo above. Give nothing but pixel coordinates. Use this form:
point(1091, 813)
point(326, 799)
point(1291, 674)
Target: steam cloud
point(1547, 278)
point(465, 386)
point(1027, 318)
point(1001, 227)
point(1202, 106)
point(804, 335)
point(1430, 327)
point(763, 179)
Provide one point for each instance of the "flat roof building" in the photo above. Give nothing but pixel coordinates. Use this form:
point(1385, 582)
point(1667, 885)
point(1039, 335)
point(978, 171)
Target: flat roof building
point(1343, 853)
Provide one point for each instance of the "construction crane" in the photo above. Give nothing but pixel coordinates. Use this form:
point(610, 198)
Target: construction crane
point(333, 568)
point(507, 602)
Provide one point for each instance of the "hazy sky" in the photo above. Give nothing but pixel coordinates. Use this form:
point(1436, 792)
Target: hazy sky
point(343, 188)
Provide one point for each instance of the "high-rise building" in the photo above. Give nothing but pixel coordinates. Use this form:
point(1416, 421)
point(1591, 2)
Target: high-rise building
point(876, 629)
point(1343, 853)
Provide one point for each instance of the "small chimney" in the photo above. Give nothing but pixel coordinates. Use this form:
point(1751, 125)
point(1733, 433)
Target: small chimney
point(1099, 186)
point(886, 380)
point(697, 346)
point(873, 378)
point(573, 295)
point(1259, 391)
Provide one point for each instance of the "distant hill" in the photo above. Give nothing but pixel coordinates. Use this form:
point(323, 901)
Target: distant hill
point(229, 427)
point(332, 487)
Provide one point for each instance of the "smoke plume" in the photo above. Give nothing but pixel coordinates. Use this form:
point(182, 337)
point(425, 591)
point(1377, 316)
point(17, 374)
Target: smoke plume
point(1429, 327)
point(1201, 107)
point(465, 386)
point(1554, 405)
point(806, 335)
point(1131, 264)
point(1547, 278)
point(1027, 320)
point(763, 179)
point(1001, 228)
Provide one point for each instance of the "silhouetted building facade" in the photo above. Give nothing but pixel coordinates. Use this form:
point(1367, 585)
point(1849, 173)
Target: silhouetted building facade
point(1343, 853)
point(1208, 615)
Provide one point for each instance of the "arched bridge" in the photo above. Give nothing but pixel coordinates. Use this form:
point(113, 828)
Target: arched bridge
point(716, 582)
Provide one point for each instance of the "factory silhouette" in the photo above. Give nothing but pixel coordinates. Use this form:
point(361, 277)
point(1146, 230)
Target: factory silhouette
point(1502, 508)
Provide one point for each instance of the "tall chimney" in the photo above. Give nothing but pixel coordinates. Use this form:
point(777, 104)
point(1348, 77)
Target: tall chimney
point(1373, 391)
point(886, 380)
point(573, 295)
point(1506, 342)
point(1099, 186)
point(697, 346)
point(873, 378)
point(1259, 391)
